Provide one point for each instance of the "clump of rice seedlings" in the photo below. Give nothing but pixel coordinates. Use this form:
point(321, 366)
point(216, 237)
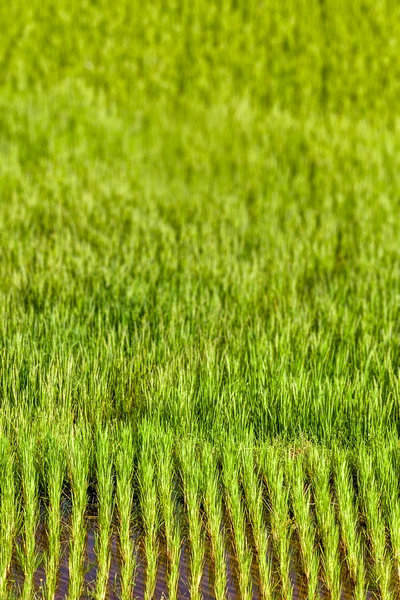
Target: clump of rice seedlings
point(191, 479)
point(212, 498)
point(385, 464)
point(54, 472)
point(124, 464)
point(105, 498)
point(29, 558)
point(148, 507)
point(8, 512)
point(301, 505)
point(79, 468)
point(281, 525)
point(255, 506)
point(233, 500)
point(320, 467)
point(375, 526)
point(166, 493)
point(348, 521)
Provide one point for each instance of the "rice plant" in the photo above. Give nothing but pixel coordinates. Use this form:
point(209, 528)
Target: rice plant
point(213, 508)
point(8, 512)
point(320, 473)
point(124, 465)
point(370, 500)
point(255, 506)
point(105, 500)
point(348, 506)
point(237, 517)
point(301, 505)
point(167, 494)
point(271, 467)
point(148, 507)
point(79, 466)
point(191, 482)
point(28, 556)
point(386, 464)
point(54, 474)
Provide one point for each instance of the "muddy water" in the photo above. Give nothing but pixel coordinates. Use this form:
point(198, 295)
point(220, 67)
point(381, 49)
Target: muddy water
point(297, 578)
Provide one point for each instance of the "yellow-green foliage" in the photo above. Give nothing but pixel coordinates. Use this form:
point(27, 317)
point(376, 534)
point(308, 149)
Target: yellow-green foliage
point(199, 239)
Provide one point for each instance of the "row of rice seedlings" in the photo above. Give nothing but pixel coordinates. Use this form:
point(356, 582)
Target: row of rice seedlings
point(54, 473)
point(233, 499)
point(375, 526)
point(124, 465)
point(148, 508)
point(105, 498)
point(29, 558)
point(213, 507)
point(281, 525)
point(8, 512)
point(348, 521)
point(255, 506)
point(166, 492)
point(79, 468)
point(301, 505)
point(191, 480)
point(385, 464)
point(320, 467)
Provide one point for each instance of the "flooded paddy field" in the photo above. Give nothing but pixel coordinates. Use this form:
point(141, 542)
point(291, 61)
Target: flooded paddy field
point(276, 524)
point(199, 299)
point(297, 577)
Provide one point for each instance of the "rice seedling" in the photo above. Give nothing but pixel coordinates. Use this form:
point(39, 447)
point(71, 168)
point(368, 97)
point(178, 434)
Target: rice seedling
point(124, 465)
point(347, 507)
point(255, 506)
point(28, 556)
point(213, 509)
point(168, 508)
point(105, 499)
point(191, 482)
point(148, 506)
point(234, 504)
point(386, 464)
point(281, 525)
point(320, 473)
point(8, 512)
point(301, 505)
point(370, 501)
point(54, 466)
point(79, 465)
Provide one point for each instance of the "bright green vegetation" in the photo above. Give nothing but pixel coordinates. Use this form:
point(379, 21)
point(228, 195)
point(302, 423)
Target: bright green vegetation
point(199, 293)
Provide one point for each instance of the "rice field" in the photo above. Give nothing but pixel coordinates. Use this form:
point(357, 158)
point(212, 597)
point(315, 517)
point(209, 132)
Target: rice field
point(199, 299)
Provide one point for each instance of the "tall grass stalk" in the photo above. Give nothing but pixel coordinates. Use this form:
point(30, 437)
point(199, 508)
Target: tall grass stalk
point(79, 465)
point(54, 468)
point(301, 504)
point(370, 501)
point(124, 465)
point(8, 512)
point(213, 507)
point(233, 500)
point(105, 499)
point(320, 473)
point(167, 494)
point(149, 506)
point(255, 506)
point(29, 557)
point(191, 480)
point(348, 516)
point(281, 524)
